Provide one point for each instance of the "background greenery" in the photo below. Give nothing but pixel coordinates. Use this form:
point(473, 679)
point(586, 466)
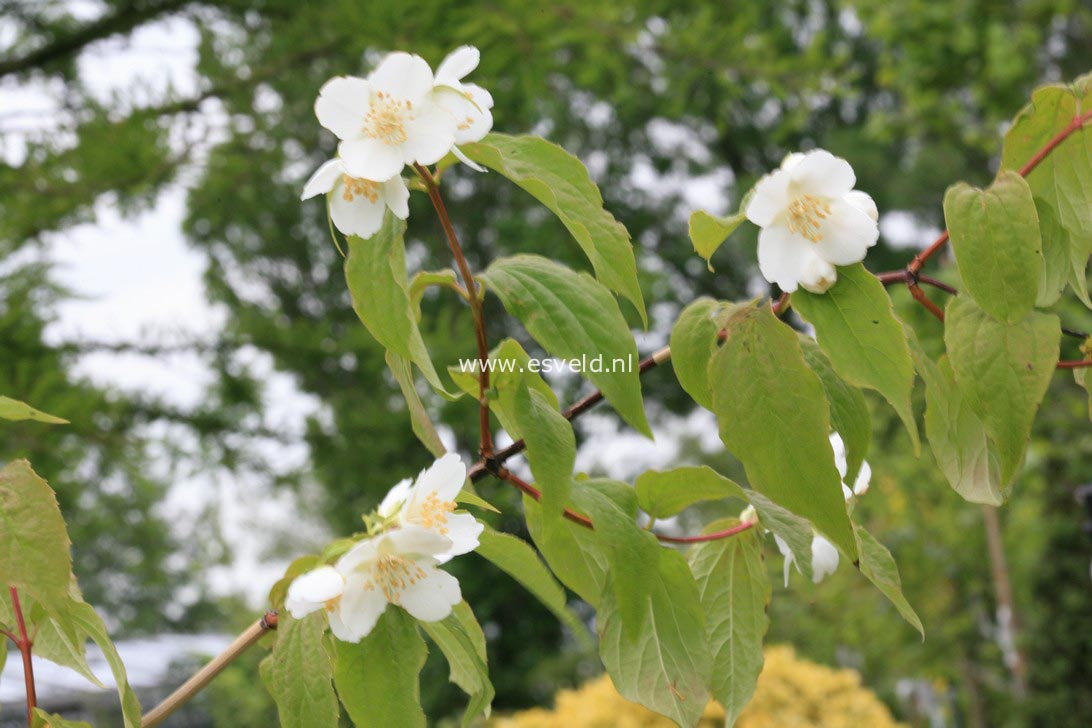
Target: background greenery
point(914, 93)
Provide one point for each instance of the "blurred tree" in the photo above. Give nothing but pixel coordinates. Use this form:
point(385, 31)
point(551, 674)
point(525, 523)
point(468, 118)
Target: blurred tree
point(671, 104)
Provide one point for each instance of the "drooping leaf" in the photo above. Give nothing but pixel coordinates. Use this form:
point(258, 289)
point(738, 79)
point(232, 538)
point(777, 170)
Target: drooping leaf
point(735, 592)
point(576, 555)
point(378, 679)
point(87, 621)
point(573, 317)
point(511, 369)
point(461, 640)
point(1003, 371)
point(34, 543)
point(856, 327)
point(425, 279)
point(879, 567)
point(849, 414)
point(1083, 377)
point(665, 493)
point(13, 409)
point(515, 557)
point(42, 719)
point(376, 273)
point(796, 532)
point(773, 416)
point(957, 437)
point(693, 341)
point(997, 245)
point(708, 232)
point(419, 418)
point(551, 449)
point(298, 673)
point(560, 181)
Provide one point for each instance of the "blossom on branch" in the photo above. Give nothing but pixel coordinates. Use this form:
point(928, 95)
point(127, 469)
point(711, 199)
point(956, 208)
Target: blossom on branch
point(469, 103)
point(812, 220)
point(357, 205)
point(398, 567)
point(429, 503)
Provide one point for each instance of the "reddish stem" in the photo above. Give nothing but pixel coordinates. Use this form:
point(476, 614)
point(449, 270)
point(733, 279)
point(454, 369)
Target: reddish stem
point(1080, 364)
point(486, 434)
point(715, 536)
point(24, 643)
point(920, 297)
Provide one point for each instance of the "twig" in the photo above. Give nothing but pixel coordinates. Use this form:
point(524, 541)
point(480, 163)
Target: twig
point(24, 643)
point(485, 432)
point(205, 675)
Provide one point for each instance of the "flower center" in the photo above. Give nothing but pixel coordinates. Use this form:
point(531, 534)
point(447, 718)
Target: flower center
point(355, 187)
point(806, 213)
point(432, 513)
point(386, 119)
point(331, 604)
point(392, 574)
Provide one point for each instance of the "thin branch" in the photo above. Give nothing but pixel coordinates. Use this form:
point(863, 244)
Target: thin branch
point(24, 643)
point(485, 432)
point(715, 536)
point(1079, 364)
point(920, 297)
point(205, 675)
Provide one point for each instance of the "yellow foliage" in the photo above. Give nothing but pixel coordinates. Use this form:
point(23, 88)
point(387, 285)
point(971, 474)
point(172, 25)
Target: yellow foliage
point(791, 693)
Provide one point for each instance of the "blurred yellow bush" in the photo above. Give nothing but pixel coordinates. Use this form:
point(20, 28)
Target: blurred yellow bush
point(791, 693)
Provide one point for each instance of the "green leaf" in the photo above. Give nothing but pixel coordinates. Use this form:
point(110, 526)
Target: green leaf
point(425, 279)
point(551, 448)
point(461, 640)
point(298, 673)
point(34, 544)
point(664, 493)
point(773, 416)
point(995, 238)
point(848, 409)
point(856, 327)
point(515, 557)
point(376, 273)
point(419, 417)
point(707, 232)
point(735, 593)
point(1083, 378)
point(466, 497)
point(85, 619)
point(378, 679)
point(879, 567)
point(43, 719)
point(1003, 371)
point(957, 437)
point(1061, 183)
point(560, 181)
point(573, 317)
point(575, 554)
point(693, 342)
point(657, 654)
point(511, 369)
point(13, 409)
point(796, 532)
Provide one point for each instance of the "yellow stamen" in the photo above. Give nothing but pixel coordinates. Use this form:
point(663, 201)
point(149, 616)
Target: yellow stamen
point(386, 119)
point(355, 187)
point(805, 215)
point(392, 575)
point(432, 513)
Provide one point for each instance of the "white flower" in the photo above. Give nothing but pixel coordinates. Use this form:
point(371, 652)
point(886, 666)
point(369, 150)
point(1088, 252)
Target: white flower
point(824, 557)
point(398, 567)
point(387, 120)
point(468, 103)
point(429, 503)
point(864, 473)
point(749, 515)
point(812, 220)
point(357, 205)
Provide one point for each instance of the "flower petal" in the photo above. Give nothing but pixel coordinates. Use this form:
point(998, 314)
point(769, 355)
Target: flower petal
point(818, 275)
point(358, 215)
point(467, 160)
point(846, 234)
point(839, 447)
point(323, 180)
point(864, 478)
point(352, 560)
point(770, 198)
point(357, 612)
point(310, 591)
point(783, 256)
point(478, 120)
point(430, 134)
point(824, 558)
point(396, 196)
point(413, 541)
point(403, 76)
point(863, 202)
point(394, 498)
point(369, 158)
point(821, 173)
point(445, 478)
point(341, 105)
point(430, 599)
point(783, 547)
point(458, 64)
point(463, 529)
